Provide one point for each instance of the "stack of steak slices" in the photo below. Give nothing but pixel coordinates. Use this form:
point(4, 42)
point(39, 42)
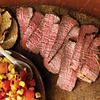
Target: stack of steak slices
point(67, 49)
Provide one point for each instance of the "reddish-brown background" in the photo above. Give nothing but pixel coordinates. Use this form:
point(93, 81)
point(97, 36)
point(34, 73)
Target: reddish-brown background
point(89, 6)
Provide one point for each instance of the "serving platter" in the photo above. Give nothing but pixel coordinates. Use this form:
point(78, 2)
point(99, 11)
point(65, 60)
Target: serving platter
point(83, 90)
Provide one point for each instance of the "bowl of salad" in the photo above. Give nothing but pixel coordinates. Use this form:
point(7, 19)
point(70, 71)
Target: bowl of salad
point(15, 85)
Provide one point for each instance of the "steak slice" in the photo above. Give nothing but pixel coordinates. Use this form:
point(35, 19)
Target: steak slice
point(54, 65)
point(90, 66)
point(34, 41)
point(67, 23)
point(67, 76)
point(51, 39)
point(95, 44)
point(34, 23)
point(50, 19)
point(85, 29)
point(24, 15)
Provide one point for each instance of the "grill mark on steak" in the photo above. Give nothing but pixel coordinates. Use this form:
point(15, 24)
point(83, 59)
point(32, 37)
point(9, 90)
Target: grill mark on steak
point(85, 29)
point(67, 76)
point(66, 24)
point(24, 15)
point(50, 19)
point(34, 23)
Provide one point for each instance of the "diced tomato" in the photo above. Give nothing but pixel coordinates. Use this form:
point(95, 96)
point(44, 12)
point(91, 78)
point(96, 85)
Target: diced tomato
point(1, 96)
point(29, 94)
point(23, 75)
point(4, 67)
point(6, 85)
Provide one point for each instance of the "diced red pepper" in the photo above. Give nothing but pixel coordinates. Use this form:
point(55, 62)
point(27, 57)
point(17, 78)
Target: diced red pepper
point(29, 94)
point(6, 85)
point(23, 75)
point(1, 96)
point(3, 67)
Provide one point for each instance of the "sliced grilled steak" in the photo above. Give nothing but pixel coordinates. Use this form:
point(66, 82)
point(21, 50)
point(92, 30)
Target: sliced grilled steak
point(34, 41)
point(24, 15)
point(74, 33)
point(67, 23)
point(54, 65)
point(51, 40)
point(95, 44)
point(87, 42)
point(50, 19)
point(67, 76)
point(90, 67)
point(34, 23)
point(85, 29)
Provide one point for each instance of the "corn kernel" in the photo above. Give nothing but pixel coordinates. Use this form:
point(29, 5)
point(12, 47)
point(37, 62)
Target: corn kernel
point(8, 98)
point(20, 92)
point(37, 95)
point(19, 98)
point(10, 67)
point(10, 93)
point(12, 71)
point(13, 98)
point(13, 88)
point(22, 83)
point(10, 76)
point(1, 77)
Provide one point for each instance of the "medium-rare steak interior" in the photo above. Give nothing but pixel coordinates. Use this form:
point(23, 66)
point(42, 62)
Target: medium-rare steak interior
point(68, 48)
point(24, 15)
